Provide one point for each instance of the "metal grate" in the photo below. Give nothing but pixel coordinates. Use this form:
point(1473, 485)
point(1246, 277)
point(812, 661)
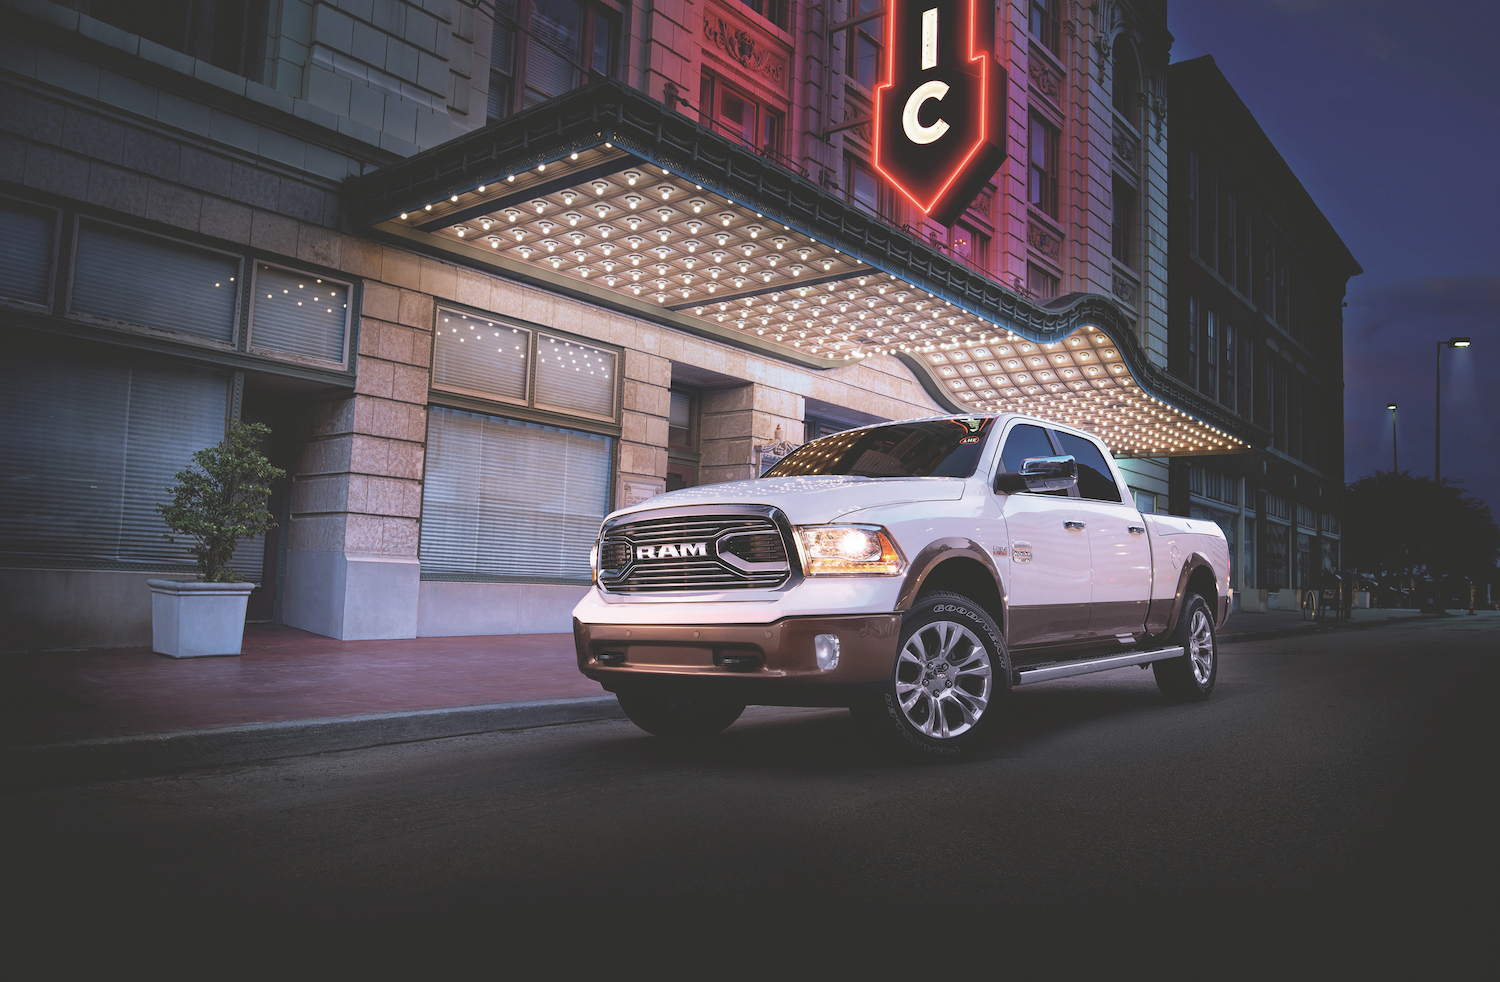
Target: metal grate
point(710, 552)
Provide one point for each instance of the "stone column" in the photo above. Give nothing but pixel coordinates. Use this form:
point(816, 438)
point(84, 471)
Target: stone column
point(643, 427)
point(736, 421)
point(352, 567)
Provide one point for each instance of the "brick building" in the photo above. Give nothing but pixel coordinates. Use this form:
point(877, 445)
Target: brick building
point(1258, 280)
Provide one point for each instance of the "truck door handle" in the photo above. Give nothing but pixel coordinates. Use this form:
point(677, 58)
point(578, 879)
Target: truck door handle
point(1074, 525)
point(1136, 529)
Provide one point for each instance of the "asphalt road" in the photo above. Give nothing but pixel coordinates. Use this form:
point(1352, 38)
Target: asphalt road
point(1328, 811)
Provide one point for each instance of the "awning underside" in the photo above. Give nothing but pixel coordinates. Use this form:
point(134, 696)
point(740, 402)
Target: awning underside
point(607, 218)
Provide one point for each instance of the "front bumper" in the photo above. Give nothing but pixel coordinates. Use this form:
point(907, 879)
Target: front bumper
point(766, 664)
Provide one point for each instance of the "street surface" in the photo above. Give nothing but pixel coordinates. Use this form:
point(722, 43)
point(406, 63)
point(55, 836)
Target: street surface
point(1328, 811)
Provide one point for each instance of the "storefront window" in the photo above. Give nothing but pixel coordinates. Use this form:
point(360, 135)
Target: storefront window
point(26, 234)
point(90, 445)
point(1302, 579)
point(1247, 561)
point(508, 500)
point(1274, 575)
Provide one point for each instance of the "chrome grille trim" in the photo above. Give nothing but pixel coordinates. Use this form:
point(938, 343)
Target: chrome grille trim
point(717, 527)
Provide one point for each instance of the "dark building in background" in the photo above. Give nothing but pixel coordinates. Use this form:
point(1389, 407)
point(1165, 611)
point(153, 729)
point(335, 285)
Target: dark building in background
point(1255, 314)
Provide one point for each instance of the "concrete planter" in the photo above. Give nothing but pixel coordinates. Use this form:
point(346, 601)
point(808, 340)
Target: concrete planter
point(191, 619)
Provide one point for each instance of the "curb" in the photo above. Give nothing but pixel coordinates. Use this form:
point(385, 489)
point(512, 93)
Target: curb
point(1313, 627)
point(109, 758)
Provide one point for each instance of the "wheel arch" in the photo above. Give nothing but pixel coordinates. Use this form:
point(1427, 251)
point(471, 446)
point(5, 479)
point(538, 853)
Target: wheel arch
point(962, 566)
point(1197, 577)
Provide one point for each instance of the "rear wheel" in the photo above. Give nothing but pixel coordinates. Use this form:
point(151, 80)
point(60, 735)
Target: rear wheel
point(951, 674)
point(678, 718)
point(1191, 677)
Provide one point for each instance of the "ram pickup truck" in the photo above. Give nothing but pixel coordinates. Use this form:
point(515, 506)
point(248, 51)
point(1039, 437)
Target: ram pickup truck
point(913, 571)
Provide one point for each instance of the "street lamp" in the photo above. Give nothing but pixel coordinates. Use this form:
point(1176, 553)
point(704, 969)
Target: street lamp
point(1437, 442)
point(1395, 467)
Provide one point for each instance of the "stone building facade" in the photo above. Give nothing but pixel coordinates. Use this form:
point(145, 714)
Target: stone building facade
point(173, 182)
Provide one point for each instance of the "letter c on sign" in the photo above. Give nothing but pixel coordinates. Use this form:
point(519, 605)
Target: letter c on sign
point(915, 131)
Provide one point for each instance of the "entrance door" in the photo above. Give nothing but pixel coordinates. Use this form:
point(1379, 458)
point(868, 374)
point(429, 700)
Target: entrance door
point(1048, 582)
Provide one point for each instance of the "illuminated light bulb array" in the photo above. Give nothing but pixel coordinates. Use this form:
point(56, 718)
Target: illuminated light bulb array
point(659, 239)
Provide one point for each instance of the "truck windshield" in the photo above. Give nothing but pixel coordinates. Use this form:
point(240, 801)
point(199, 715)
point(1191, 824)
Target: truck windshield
point(930, 448)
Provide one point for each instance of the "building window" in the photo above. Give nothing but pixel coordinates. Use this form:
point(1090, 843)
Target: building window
point(1122, 228)
point(488, 357)
point(543, 48)
point(1226, 380)
point(504, 499)
point(229, 34)
point(1145, 502)
point(1194, 311)
point(1247, 375)
point(772, 10)
point(1209, 382)
point(1192, 190)
point(1125, 96)
point(1040, 283)
point(1228, 238)
point(683, 420)
point(27, 234)
point(739, 116)
point(969, 245)
point(90, 445)
point(127, 277)
point(1247, 563)
point(298, 314)
point(1044, 164)
point(1294, 417)
point(863, 56)
point(1208, 218)
point(1044, 23)
point(1274, 573)
point(866, 190)
point(1211, 484)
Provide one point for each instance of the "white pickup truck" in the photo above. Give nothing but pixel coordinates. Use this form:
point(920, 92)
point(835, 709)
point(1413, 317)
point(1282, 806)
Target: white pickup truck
point(912, 571)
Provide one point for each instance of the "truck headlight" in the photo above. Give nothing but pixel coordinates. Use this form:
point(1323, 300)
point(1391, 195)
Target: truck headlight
point(593, 561)
point(848, 550)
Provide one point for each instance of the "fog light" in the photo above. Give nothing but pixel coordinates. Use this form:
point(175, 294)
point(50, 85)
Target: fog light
point(827, 648)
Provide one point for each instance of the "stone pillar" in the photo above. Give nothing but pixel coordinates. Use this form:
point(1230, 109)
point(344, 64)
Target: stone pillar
point(352, 567)
point(736, 421)
point(643, 428)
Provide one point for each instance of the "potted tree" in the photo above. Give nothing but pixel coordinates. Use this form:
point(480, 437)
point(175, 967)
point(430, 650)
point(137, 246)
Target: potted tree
point(216, 504)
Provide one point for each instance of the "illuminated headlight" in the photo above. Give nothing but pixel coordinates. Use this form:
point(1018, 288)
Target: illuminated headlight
point(848, 550)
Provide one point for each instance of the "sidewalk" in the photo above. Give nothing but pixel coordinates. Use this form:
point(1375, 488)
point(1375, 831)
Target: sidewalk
point(70, 715)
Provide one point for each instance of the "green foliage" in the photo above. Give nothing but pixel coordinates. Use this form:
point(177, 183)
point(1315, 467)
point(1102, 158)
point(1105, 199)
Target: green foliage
point(1398, 525)
point(223, 500)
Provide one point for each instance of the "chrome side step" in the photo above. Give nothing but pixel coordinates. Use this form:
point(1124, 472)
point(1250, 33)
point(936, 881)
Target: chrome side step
point(1065, 669)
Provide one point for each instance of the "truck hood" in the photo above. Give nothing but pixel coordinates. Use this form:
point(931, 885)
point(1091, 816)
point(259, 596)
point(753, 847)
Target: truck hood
point(811, 500)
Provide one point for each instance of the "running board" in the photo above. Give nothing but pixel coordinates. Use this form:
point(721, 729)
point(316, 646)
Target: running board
point(1065, 669)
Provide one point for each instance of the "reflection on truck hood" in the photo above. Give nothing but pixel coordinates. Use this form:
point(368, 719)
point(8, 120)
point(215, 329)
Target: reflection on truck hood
point(812, 500)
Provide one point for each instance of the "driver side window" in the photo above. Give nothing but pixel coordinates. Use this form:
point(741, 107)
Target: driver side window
point(1023, 441)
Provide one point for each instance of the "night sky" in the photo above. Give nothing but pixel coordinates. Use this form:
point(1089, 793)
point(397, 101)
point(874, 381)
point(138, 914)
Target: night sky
point(1389, 112)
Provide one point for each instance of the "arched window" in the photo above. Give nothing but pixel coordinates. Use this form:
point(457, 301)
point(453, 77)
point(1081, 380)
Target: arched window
point(1127, 83)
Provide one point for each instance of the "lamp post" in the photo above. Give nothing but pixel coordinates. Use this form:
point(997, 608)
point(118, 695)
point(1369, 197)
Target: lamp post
point(1437, 442)
point(1395, 466)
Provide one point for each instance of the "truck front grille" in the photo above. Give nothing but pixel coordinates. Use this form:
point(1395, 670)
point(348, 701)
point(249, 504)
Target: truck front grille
point(693, 552)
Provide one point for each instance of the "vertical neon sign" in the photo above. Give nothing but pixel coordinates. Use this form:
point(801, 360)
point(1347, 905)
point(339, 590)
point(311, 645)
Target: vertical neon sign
point(940, 113)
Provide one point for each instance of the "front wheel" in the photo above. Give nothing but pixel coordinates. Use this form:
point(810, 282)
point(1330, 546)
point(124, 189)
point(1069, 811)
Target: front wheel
point(951, 673)
point(678, 718)
point(1191, 677)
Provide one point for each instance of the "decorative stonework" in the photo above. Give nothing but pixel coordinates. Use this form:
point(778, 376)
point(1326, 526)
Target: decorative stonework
point(743, 47)
point(1045, 80)
point(1044, 241)
point(1124, 289)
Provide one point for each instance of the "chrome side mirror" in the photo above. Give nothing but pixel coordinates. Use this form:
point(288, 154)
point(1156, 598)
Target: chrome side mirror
point(1040, 474)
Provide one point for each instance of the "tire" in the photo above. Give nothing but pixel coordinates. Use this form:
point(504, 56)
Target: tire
point(678, 718)
point(1191, 678)
point(951, 676)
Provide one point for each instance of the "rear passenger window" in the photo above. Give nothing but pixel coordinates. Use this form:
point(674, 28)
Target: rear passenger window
point(1095, 480)
point(1023, 441)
